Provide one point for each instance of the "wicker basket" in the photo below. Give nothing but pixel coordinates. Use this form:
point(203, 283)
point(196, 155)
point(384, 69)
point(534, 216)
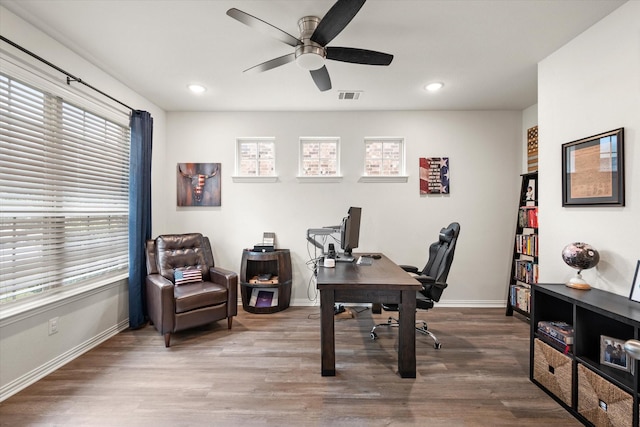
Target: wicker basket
point(601, 402)
point(553, 370)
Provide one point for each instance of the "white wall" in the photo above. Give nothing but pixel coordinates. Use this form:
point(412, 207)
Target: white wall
point(589, 86)
point(27, 352)
point(484, 150)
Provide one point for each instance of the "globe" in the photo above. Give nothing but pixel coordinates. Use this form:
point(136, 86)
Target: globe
point(580, 256)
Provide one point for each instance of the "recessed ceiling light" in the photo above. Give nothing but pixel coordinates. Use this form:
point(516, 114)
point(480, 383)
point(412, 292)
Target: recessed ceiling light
point(195, 88)
point(433, 87)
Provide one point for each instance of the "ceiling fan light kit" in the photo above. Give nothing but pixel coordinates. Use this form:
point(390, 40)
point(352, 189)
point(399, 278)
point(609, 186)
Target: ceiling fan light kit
point(309, 55)
point(311, 49)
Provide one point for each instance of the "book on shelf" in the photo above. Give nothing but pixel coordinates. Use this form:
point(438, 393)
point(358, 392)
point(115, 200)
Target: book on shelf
point(526, 271)
point(528, 217)
point(527, 244)
point(561, 331)
point(264, 297)
point(264, 279)
point(520, 297)
point(554, 342)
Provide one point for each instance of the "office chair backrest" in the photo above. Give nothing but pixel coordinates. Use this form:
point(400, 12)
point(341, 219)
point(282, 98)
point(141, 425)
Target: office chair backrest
point(441, 253)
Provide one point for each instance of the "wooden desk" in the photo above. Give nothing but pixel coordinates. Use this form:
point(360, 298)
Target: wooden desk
point(381, 282)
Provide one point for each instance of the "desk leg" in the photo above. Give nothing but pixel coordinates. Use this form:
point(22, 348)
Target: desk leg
point(327, 333)
point(407, 335)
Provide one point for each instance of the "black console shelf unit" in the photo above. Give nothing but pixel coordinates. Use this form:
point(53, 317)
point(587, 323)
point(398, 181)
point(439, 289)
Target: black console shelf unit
point(595, 393)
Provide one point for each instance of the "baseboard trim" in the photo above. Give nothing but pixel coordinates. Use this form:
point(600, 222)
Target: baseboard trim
point(37, 374)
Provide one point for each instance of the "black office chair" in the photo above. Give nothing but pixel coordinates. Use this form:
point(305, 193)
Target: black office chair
point(433, 278)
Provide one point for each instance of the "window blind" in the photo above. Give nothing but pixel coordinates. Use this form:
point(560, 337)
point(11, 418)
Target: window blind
point(64, 182)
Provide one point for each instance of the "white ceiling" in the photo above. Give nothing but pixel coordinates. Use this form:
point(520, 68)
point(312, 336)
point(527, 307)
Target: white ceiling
point(484, 51)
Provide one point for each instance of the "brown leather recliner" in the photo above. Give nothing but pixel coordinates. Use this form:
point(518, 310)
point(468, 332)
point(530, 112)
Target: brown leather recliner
point(204, 293)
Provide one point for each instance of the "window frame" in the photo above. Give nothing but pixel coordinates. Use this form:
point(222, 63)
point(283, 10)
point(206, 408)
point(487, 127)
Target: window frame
point(319, 139)
point(238, 177)
point(402, 174)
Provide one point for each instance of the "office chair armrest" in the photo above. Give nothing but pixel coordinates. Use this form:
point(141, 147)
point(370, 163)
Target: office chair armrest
point(425, 280)
point(409, 268)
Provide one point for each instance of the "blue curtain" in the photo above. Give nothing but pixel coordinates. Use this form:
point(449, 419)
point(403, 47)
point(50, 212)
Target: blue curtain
point(139, 213)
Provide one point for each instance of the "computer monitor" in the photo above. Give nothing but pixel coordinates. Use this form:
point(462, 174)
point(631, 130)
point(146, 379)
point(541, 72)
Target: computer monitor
point(350, 233)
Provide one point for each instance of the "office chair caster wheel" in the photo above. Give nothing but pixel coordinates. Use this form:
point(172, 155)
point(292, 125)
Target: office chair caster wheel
point(373, 335)
point(437, 346)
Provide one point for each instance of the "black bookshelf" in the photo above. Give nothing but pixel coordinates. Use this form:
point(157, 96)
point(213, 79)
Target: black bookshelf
point(524, 261)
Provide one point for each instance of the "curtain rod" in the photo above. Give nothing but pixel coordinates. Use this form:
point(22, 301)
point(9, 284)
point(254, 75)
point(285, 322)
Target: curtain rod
point(70, 77)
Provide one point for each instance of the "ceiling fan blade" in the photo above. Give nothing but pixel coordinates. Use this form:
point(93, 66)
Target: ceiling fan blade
point(262, 26)
point(358, 56)
point(321, 78)
point(273, 63)
point(340, 14)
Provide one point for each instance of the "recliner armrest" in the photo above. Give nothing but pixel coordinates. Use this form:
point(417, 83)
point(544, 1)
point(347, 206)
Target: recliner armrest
point(229, 279)
point(409, 268)
point(160, 303)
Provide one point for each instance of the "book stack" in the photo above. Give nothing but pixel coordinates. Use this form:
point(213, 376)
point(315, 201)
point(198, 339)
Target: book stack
point(520, 297)
point(527, 244)
point(526, 271)
point(557, 334)
point(528, 217)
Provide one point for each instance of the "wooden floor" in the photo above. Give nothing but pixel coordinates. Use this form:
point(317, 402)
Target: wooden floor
point(266, 372)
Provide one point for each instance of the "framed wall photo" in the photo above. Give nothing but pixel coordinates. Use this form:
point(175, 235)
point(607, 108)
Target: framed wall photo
point(635, 287)
point(434, 175)
point(612, 353)
point(593, 170)
point(198, 184)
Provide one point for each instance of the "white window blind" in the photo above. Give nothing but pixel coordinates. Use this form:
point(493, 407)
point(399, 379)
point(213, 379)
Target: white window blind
point(64, 183)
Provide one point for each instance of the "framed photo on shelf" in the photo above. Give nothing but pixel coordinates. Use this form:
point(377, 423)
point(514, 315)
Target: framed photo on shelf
point(593, 170)
point(635, 287)
point(612, 353)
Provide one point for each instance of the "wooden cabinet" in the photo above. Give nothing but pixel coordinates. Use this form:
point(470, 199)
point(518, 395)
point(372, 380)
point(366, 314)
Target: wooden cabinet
point(580, 379)
point(524, 263)
point(265, 281)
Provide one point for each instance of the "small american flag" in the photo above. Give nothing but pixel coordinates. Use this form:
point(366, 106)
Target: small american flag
point(187, 275)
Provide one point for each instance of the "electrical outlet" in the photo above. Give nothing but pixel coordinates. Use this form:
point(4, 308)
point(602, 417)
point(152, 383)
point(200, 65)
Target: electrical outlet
point(53, 326)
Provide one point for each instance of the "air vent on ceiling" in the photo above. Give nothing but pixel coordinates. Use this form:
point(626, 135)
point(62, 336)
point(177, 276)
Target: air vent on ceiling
point(349, 94)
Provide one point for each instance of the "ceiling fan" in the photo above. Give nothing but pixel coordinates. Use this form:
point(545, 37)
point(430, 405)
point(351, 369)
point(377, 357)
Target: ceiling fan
point(311, 48)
